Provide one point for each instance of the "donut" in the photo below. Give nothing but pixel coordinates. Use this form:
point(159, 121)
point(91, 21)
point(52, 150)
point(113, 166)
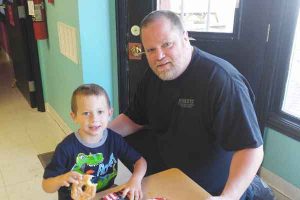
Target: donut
point(84, 190)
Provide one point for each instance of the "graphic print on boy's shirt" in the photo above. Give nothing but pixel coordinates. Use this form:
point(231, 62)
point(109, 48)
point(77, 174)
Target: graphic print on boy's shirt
point(93, 164)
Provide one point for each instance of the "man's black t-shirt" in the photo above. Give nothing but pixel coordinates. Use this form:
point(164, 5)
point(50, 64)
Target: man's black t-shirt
point(200, 118)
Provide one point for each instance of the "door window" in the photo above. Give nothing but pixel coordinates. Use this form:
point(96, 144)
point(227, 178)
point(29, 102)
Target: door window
point(203, 15)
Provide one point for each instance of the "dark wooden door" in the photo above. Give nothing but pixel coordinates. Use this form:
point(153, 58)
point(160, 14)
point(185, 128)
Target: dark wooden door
point(23, 52)
point(130, 13)
point(245, 48)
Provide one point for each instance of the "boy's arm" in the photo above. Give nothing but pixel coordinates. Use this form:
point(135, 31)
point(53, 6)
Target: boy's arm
point(134, 186)
point(53, 184)
point(139, 171)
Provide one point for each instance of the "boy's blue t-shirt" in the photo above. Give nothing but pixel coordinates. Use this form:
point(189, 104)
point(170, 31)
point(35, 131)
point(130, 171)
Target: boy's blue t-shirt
point(99, 159)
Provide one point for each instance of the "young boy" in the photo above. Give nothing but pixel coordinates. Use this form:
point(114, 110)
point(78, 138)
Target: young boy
point(93, 149)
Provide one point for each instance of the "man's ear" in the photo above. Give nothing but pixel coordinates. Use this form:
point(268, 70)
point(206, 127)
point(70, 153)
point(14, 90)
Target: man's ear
point(186, 36)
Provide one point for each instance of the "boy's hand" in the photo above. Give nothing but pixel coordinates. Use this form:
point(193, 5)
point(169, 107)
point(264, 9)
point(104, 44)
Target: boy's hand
point(133, 190)
point(218, 198)
point(70, 177)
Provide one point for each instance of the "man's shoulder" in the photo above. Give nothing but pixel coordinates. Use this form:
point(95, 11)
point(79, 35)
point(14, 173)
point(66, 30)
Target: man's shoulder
point(213, 60)
point(215, 66)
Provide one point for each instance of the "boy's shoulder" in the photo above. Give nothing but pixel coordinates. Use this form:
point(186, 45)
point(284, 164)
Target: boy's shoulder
point(70, 138)
point(113, 133)
point(114, 136)
point(66, 145)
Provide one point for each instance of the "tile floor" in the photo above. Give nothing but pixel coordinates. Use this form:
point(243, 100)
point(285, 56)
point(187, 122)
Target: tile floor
point(22, 137)
point(25, 133)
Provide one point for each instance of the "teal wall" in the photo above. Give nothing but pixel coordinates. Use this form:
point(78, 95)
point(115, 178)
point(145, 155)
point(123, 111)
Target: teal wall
point(96, 42)
point(282, 156)
point(98, 46)
point(60, 75)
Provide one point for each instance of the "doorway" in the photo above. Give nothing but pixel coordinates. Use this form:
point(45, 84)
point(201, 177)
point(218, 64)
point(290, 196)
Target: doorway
point(24, 52)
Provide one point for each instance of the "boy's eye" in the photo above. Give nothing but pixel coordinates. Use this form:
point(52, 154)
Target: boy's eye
point(86, 113)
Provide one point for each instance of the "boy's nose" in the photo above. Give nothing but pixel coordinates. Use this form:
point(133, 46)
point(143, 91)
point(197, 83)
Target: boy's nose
point(93, 117)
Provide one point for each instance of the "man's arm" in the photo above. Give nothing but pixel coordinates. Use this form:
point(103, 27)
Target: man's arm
point(124, 125)
point(244, 165)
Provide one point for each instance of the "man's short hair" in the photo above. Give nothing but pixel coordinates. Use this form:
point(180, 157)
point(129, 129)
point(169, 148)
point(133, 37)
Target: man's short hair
point(157, 14)
point(87, 90)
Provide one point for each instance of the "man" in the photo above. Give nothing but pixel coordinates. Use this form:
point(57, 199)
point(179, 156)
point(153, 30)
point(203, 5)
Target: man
point(198, 110)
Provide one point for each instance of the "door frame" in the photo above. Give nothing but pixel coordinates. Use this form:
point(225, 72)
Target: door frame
point(121, 23)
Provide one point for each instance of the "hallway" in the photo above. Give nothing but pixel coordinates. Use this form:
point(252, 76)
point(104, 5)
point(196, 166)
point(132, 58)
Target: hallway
point(24, 133)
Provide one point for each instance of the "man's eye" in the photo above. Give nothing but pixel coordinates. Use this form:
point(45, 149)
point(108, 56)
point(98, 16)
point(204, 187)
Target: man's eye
point(150, 50)
point(100, 112)
point(167, 44)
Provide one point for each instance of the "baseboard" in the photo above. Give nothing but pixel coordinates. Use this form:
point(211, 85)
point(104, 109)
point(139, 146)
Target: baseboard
point(280, 185)
point(66, 129)
point(4, 57)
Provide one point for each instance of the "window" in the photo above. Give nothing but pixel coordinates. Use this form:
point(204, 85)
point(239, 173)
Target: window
point(291, 100)
point(2, 6)
point(284, 104)
point(203, 15)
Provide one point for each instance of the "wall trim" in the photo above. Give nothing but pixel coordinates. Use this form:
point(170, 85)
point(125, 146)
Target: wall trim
point(282, 186)
point(60, 122)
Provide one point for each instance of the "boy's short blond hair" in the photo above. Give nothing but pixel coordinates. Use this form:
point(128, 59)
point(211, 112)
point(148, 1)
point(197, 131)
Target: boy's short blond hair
point(88, 90)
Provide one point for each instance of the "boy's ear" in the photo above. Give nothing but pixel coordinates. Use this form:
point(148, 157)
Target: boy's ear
point(73, 115)
point(111, 111)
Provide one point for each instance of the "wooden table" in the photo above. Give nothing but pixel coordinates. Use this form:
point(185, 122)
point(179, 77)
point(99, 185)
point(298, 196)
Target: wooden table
point(172, 184)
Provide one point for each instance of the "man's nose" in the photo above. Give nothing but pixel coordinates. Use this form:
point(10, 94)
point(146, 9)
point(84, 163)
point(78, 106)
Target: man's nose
point(160, 54)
